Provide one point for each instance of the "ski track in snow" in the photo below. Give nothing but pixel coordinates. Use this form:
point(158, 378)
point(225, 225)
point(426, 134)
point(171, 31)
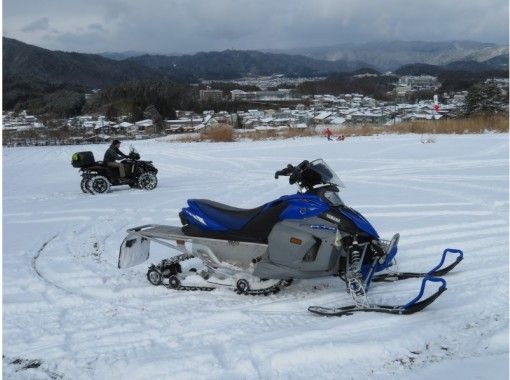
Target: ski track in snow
point(67, 305)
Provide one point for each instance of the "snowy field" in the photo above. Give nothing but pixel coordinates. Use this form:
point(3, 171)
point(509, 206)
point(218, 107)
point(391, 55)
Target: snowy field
point(69, 313)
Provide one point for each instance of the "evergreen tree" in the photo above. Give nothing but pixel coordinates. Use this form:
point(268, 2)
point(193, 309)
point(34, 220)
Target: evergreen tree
point(486, 98)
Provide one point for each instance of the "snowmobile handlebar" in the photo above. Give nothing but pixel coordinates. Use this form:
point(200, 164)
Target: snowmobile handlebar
point(294, 172)
point(284, 172)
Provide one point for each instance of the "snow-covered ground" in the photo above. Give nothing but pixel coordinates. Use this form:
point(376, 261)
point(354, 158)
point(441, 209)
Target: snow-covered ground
point(67, 306)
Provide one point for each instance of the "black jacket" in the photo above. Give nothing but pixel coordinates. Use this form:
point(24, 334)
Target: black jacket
point(113, 154)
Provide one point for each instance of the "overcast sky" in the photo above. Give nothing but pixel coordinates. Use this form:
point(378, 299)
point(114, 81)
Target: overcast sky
point(184, 26)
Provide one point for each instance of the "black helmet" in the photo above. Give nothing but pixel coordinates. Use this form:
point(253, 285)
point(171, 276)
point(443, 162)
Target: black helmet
point(115, 142)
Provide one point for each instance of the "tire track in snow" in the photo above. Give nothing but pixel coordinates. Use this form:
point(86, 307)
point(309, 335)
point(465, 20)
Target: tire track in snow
point(34, 263)
point(272, 336)
point(67, 290)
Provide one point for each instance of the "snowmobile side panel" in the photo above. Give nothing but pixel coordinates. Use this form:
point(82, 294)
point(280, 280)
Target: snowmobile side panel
point(288, 244)
point(216, 252)
point(299, 246)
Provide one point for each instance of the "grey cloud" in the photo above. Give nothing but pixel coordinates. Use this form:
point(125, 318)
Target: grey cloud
point(37, 25)
point(97, 27)
point(114, 9)
point(166, 26)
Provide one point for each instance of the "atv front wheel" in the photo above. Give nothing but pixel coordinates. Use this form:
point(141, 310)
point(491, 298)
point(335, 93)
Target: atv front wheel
point(147, 181)
point(98, 184)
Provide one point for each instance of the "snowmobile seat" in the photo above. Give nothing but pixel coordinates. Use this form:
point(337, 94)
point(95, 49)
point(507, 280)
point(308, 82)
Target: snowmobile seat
point(250, 225)
point(231, 217)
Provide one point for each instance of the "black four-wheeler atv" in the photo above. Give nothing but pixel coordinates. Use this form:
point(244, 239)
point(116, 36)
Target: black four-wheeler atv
point(97, 177)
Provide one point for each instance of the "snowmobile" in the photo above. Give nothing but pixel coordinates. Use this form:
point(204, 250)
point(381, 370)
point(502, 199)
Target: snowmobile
point(305, 235)
point(97, 177)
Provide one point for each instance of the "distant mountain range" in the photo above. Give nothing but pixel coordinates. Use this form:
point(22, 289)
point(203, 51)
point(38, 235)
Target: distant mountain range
point(119, 56)
point(393, 54)
point(496, 64)
point(93, 70)
point(97, 71)
point(89, 70)
point(231, 64)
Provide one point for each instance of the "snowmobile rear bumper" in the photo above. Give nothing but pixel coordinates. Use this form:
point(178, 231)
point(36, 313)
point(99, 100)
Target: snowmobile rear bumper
point(135, 248)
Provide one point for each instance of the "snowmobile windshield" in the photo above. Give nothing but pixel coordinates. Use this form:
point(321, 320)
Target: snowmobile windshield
point(326, 173)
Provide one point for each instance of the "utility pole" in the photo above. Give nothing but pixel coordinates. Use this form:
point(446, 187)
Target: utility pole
point(395, 113)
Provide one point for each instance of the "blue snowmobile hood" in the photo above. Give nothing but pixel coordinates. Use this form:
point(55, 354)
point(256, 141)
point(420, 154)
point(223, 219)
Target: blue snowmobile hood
point(360, 221)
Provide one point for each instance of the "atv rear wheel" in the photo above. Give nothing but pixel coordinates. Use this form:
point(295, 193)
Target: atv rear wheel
point(83, 185)
point(98, 184)
point(147, 181)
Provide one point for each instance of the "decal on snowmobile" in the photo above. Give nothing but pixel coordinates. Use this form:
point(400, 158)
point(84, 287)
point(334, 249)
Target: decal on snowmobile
point(260, 250)
point(198, 218)
point(319, 227)
point(333, 218)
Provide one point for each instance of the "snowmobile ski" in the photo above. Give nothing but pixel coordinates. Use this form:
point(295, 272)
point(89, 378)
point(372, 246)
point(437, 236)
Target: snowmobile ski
point(436, 272)
point(413, 306)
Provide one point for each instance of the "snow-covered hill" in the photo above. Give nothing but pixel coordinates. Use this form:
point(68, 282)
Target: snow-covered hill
point(68, 312)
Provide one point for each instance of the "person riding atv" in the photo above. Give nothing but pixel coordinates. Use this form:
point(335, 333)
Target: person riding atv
point(112, 154)
point(99, 176)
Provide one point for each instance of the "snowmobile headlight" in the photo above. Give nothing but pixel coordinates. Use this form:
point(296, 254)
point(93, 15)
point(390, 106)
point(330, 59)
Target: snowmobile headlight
point(333, 198)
